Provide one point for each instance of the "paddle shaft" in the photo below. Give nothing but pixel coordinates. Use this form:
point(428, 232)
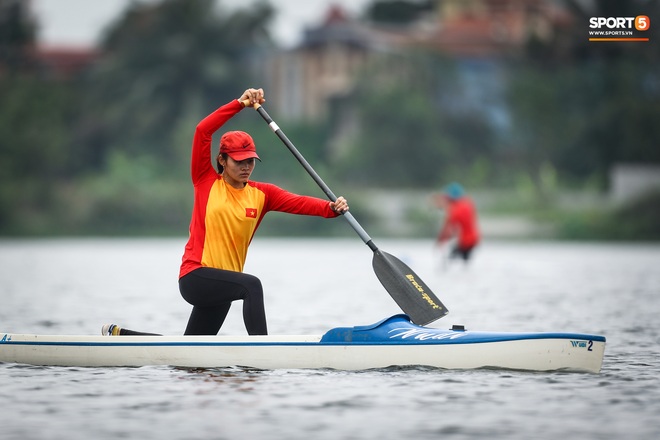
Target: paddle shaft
point(328, 192)
point(401, 282)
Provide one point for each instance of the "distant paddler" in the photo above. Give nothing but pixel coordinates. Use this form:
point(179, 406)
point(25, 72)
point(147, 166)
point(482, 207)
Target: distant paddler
point(460, 222)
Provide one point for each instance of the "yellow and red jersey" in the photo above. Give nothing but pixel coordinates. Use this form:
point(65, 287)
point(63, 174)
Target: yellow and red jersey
point(224, 219)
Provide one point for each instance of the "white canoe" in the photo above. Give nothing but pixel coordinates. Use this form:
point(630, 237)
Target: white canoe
point(394, 341)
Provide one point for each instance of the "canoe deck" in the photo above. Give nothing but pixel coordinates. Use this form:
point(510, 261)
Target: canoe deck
point(394, 341)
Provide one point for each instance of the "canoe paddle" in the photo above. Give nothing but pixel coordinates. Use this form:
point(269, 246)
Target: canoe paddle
point(406, 288)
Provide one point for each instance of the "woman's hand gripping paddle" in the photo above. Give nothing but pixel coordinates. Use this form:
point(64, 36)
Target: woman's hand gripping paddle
point(404, 286)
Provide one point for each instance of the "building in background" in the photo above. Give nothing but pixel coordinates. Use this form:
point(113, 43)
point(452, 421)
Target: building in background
point(477, 34)
point(304, 81)
point(64, 63)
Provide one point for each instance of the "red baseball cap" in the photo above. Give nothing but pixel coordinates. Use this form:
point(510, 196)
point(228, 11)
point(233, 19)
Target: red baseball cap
point(238, 145)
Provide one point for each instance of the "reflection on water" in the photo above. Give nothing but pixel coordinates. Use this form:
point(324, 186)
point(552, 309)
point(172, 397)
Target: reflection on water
point(235, 379)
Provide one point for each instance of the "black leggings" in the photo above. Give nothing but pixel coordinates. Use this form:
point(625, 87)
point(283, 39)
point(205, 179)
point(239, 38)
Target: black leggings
point(211, 292)
point(459, 252)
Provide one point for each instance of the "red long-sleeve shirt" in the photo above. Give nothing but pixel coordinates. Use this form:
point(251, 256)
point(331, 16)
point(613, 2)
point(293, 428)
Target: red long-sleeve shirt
point(461, 221)
point(224, 219)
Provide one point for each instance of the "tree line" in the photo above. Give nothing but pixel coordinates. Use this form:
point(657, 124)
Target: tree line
point(107, 151)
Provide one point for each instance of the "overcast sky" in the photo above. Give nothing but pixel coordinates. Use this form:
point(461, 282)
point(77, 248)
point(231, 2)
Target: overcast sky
point(80, 22)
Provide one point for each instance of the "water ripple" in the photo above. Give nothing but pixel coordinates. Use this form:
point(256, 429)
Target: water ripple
point(592, 288)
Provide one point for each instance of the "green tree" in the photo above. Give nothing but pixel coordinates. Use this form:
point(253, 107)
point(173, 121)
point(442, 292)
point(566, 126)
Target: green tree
point(410, 126)
point(36, 118)
point(17, 38)
point(397, 11)
point(163, 66)
point(71, 150)
point(584, 106)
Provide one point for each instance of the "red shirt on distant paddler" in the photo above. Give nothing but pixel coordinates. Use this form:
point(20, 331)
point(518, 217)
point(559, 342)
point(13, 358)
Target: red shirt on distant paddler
point(460, 221)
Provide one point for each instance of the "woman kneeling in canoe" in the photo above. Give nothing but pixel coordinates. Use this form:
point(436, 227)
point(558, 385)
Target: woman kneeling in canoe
point(228, 208)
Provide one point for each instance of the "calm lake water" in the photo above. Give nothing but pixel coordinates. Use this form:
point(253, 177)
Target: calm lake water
point(75, 286)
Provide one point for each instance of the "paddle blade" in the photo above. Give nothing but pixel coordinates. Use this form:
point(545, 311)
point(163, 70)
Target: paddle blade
point(407, 289)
